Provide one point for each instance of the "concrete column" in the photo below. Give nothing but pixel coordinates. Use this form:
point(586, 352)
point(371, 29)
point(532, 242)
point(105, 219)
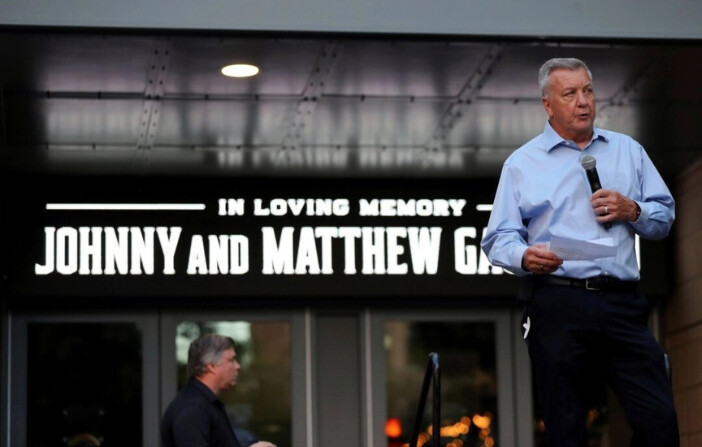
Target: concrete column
point(683, 311)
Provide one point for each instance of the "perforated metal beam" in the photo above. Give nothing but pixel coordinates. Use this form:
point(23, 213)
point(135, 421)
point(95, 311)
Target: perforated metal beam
point(153, 93)
point(468, 93)
point(314, 88)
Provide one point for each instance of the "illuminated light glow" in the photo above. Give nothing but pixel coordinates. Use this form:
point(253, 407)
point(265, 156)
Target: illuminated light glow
point(126, 206)
point(299, 207)
point(240, 70)
point(592, 416)
point(381, 249)
point(393, 428)
point(231, 207)
point(455, 430)
point(400, 157)
point(411, 207)
point(422, 439)
point(228, 254)
point(482, 421)
point(468, 259)
point(70, 250)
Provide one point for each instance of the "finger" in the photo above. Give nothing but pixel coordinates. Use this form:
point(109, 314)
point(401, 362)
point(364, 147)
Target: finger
point(550, 258)
point(544, 269)
point(600, 194)
point(541, 253)
point(598, 202)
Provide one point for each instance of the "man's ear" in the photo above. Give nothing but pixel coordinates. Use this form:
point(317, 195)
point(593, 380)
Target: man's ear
point(210, 368)
point(547, 106)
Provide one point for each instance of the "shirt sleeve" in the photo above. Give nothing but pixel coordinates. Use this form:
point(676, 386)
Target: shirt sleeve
point(656, 203)
point(505, 242)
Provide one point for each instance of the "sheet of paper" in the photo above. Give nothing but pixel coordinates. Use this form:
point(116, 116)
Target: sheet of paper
point(575, 250)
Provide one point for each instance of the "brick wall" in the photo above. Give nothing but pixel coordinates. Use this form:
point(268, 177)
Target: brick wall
point(683, 312)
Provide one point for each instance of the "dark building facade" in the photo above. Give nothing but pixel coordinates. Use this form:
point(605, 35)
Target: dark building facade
point(326, 214)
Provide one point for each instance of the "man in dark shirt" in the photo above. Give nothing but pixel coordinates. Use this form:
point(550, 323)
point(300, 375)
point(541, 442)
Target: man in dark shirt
point(196, 417)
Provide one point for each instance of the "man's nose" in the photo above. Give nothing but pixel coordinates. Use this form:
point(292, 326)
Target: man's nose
point(581, 99)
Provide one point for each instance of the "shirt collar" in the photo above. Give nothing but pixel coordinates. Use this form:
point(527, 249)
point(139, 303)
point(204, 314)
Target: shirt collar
point(551, 139)
point(212, 397)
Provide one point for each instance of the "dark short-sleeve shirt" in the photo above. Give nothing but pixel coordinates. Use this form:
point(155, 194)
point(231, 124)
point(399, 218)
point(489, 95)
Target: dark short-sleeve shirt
point(196, 418)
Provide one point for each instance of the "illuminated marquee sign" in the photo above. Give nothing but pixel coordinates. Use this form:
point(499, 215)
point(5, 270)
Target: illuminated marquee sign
point(253, 238)
point(285, 250)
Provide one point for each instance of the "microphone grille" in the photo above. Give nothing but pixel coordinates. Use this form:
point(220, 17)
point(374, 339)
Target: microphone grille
point(588, 162)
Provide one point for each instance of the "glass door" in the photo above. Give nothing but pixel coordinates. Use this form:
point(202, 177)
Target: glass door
point(480, 393)
point(269, 396)
point(84, 380)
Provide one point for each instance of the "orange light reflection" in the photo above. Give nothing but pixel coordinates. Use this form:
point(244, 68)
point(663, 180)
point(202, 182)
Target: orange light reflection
point(393, 428)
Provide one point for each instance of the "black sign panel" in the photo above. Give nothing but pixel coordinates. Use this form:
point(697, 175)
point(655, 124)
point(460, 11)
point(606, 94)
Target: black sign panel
point(224, 237)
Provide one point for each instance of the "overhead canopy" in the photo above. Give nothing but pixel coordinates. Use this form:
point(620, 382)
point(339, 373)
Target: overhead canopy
point(111, 101)
point(643, 19)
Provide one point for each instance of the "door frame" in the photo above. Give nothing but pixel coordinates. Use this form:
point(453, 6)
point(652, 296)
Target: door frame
point(16, 406)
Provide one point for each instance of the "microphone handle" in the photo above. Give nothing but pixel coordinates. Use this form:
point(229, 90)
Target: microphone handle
point(595, 185)
point(594, 179)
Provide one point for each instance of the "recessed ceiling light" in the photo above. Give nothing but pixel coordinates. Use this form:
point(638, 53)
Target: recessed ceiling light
point(240, 70)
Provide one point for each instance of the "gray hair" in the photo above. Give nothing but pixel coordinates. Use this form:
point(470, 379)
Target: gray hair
point(559, 63)
point(208, 348)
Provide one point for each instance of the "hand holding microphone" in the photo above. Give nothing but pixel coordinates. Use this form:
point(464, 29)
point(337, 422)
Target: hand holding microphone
point(607, 204)
point(588, 162)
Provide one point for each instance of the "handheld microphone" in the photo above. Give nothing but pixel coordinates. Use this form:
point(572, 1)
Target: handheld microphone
point(589, 162)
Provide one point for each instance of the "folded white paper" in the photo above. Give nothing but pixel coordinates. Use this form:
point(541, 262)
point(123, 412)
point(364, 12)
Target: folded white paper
point(575, 250)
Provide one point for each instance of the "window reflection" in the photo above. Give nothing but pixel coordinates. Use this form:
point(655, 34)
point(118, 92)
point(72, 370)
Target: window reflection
point(467, 357)
point(259, 406)
point(84, 384)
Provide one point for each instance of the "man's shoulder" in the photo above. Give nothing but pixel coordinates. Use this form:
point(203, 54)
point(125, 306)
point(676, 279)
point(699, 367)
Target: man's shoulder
point(533, 147)
point(619, 138)
point(189, 397)
point(535, 143)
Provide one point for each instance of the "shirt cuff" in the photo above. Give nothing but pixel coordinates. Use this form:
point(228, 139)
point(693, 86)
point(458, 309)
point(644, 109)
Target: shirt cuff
point(517, 257)
point(643, 216)
point(638, 211)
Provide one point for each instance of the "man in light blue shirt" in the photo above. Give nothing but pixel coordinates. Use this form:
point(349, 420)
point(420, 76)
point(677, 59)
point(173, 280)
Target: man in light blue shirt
point(584, 321)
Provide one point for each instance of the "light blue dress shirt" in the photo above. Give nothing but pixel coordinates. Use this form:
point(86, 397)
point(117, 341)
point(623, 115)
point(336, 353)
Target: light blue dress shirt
point(544, 192)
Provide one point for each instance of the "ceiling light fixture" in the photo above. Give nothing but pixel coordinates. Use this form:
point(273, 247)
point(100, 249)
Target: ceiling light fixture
point(240, 70)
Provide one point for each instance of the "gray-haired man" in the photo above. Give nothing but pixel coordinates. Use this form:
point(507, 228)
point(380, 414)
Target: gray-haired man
point(196, 417)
